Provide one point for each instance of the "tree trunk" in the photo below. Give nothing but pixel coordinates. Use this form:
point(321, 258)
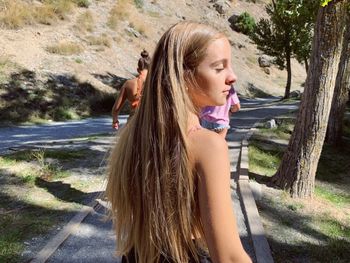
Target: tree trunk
point(289, 68)
point(306, 64)
point(298, 168)
point(340, 97)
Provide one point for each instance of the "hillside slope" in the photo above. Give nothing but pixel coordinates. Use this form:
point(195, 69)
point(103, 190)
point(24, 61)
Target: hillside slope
point(108, 47)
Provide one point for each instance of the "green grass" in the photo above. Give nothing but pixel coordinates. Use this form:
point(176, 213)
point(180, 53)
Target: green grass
point(333, 228)
point(334, 163)
point(29, 155)
point(297, 223)
point(338, 199)
point(41, 203)
point(263, 162)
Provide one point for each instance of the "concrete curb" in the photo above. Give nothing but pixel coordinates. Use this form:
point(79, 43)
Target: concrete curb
point(250, 210)
point(61, 236)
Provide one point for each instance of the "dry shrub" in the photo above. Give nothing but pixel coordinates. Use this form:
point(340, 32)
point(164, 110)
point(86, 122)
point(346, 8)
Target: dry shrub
point(102, 40)
point(119, 12)
point(85, 22)
point(15, 14)
point(65, 48)
point(60, 7)
point(45, 14)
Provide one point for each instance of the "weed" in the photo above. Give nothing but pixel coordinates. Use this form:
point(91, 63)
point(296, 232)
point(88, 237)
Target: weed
point(78, 60)
point(65, 48)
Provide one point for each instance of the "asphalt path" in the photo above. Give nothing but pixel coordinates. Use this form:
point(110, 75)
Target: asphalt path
point(94, 240)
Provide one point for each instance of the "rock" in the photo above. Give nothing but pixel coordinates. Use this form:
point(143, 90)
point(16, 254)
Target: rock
point(295, 94)
point(233, 20)
point(264, 61)
point(220, 7)
point(133, 32)
point(267, 71)
point(271, 124)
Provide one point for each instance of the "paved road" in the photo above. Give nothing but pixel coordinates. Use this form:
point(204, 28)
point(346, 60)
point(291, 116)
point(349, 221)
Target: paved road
point(94, 240)
point(25, 135)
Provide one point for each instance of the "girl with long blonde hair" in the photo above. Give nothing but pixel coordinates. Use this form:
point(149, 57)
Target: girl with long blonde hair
point(169, 179)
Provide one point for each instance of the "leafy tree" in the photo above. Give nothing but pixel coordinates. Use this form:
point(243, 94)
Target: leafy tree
point(298, 167)
point(341, 93)
point(287, 33)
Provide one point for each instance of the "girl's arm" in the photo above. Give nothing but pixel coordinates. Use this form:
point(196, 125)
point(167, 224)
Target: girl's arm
point(220, 228)
point(117, 106)
point(236, 107)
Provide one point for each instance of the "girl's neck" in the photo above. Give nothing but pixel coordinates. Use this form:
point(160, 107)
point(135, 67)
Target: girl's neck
point(193, 120)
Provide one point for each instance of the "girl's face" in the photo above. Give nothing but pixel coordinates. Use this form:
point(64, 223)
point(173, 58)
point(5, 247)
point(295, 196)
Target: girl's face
point(214, 75)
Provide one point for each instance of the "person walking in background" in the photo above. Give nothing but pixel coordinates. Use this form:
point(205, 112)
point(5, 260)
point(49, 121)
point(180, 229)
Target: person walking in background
point(168, 180)
point(217, 118)
point(131, 89)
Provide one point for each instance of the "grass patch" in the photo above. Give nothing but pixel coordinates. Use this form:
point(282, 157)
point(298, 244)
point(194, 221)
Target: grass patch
point(333, 228)
point(338, 199)
point(102, 40)
point(65, 48)
point(282, 131)
point(30, 204)
point(30, 155)
point(316, 230)
point(65, 113)
point(263, 162)
point(334, 164)
point(16, 14)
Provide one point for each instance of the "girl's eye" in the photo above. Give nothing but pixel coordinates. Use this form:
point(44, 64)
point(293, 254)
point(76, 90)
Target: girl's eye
point(219, 69)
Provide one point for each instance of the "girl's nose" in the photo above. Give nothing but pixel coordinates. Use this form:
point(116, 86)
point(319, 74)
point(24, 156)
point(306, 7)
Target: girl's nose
point(231, 78)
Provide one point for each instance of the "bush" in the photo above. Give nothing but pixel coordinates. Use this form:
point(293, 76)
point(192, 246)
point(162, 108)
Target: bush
point(82, 3)
point(138, 3)
point(245, 23)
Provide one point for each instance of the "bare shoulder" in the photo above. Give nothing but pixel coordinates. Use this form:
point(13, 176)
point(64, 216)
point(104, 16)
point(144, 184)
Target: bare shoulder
point(129, 83)
point(207, 145)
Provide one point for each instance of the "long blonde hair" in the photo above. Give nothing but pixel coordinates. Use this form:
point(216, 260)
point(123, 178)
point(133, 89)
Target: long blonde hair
point(152, 184)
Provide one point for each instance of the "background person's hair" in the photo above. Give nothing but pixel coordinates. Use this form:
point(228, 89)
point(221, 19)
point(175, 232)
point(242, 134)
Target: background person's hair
point(151, 185)
point(144, 62)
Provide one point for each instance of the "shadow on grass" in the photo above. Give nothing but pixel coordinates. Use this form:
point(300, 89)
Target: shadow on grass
point(65, 192)
point(21, 220)
point(328, 249)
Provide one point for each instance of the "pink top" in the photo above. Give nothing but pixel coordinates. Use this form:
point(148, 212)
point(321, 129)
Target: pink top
point(220, 114)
